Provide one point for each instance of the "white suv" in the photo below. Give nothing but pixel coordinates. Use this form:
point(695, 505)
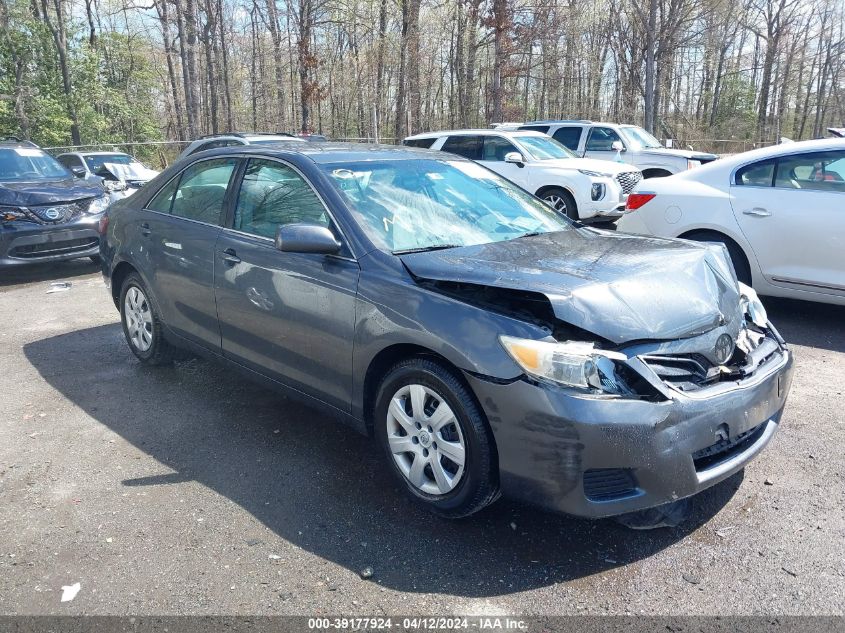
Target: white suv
point(612, 141)
point(589, 190)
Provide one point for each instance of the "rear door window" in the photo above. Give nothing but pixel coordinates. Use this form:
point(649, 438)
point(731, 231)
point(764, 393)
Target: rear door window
point(466, 146)
point(816, 171)
point(569, 136)
point(202, 190)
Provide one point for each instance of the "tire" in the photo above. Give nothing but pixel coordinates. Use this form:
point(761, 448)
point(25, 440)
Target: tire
point(142, 325)
point(562, 201)
point(430, 468)
point(738, 259)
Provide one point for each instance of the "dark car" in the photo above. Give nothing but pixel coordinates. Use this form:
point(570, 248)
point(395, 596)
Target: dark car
point(46, 214)
point(490, 344)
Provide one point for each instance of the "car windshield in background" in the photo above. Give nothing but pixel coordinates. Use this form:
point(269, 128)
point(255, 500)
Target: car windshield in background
point(638, 138)
point(545, 148)
point(96, 161)
point(28, 163)
point(406, 205)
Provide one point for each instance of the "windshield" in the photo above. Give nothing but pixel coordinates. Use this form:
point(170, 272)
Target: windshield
point(29, 163)
point(638, 138)
point(419, 204)
point(544, 148)
point(96, 161)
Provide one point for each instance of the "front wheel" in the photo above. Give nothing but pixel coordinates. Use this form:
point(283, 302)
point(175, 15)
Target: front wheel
point(562, 201)
point(436, 439)
point(142, 326)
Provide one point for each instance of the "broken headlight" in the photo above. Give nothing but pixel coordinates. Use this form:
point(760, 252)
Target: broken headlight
point(98, 205)
point(752, 306)
point(572, 363)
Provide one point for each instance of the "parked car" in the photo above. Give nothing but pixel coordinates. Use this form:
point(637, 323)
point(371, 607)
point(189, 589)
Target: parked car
point(235, 139)
point(488, 342)
point(45, 213)
point(583, 189)
point(121, 174)
point(627, 143)
point(779, 211)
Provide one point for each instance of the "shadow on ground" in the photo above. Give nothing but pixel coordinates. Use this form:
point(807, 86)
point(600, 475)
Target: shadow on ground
point(35, 273)
point(323, 487)
point(806, 323)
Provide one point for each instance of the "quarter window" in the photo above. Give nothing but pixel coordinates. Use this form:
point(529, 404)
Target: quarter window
point(163, 200)
point(202, 190)
point(424, 143)
point(273, 194)
point(817, 171)
point(466, 146)
point(757, 174)
point(602, 139)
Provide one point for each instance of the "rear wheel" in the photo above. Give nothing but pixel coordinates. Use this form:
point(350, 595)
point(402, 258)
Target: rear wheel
point(561, 200)
point(738, 258)
point(142, 326)
point(436, 439)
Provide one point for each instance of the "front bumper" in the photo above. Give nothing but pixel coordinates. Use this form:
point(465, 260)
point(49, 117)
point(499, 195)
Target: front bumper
point(29, 243)
point(598, 456)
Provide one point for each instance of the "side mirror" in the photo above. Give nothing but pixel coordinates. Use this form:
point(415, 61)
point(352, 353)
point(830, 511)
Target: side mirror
point(617, 146)
point(306, 238)
point(78, 171)
point(514, 157)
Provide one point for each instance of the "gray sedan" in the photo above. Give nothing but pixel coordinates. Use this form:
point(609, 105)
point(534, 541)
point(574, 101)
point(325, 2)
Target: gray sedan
point(491, 345)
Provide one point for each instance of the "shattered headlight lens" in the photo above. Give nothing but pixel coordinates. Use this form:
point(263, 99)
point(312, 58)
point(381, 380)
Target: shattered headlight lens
point(572, 363)
point(98, 205)
point(752, 306)
point(11, 214)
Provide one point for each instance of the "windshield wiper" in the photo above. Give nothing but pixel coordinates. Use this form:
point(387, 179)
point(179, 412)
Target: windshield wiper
point(423, 249)
point(529, 234)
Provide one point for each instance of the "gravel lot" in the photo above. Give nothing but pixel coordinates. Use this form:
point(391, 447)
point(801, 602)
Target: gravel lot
point(188, 490)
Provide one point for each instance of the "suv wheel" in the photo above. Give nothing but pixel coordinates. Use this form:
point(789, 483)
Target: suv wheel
point(141, 325)
point(436, 439)
point(562, 201)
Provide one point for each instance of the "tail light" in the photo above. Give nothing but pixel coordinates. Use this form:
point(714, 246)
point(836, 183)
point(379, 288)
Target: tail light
point(636, 200)
point(103, 224)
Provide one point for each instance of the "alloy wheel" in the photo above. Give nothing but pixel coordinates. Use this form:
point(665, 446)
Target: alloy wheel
point(557, 202)
point(425, 439)
point(139, 319)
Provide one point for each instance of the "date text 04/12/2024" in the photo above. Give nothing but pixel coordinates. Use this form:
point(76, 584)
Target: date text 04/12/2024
point(482, 623)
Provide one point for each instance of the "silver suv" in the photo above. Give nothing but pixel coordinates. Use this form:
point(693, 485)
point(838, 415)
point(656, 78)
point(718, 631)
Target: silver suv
point(612, 141)
point(235, 139)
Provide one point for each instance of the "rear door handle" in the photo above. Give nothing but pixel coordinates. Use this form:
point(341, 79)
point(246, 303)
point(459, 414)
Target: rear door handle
point(145, 229)
point(758, 212)
point(231, 257)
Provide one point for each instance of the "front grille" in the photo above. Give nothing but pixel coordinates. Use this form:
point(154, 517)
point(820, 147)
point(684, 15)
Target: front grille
point(691, 372)
point(45, 249)
point(58, 213)
point(726, 448)
point(628, 180)
point(608, 484)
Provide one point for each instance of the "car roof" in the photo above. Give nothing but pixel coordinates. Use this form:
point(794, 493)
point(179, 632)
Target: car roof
point(95, 153)
point(782, 149)
point(480, 132)
point(12, 141)
point(329, 152)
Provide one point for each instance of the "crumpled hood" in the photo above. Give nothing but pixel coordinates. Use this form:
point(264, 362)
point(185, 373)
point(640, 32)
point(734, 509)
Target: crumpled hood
point(133, 171)
point(680, 153)
point(38, 192)
point(591, 164)
point(619, 287)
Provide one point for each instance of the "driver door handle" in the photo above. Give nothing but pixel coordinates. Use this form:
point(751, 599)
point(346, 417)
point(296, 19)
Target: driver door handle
point(231, 257)
point(145, 229)
point(758, 212)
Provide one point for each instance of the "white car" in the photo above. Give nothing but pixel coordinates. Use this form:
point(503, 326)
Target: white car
point(614, 141)
point(121, 174)
point(235, 139)
point(780, 212)
point(589, 190)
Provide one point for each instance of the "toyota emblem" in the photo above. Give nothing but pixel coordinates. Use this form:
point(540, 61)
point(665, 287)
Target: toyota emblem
point(724, 348)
